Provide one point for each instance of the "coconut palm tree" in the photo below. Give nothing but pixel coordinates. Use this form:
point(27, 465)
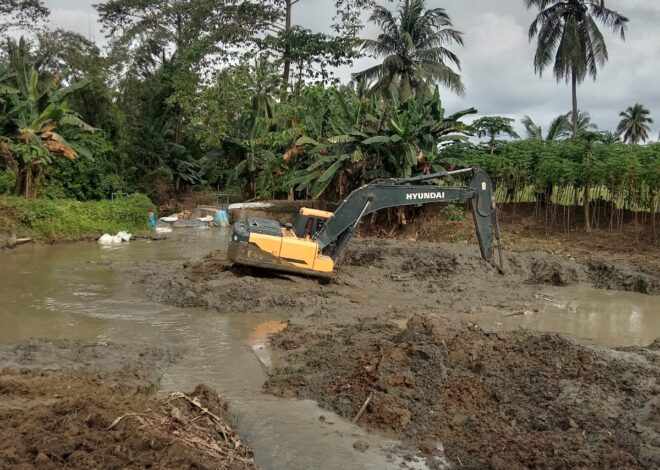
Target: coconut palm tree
point(569, 40)
point(560, 128)
point(414, 52)
point(634, 127)
point(584, 123)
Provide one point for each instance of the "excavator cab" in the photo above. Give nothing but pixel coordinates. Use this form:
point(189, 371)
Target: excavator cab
point(309, 222)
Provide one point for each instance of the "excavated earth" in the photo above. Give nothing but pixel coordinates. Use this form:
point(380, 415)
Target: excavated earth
point(67, 404)
point(501, 400)
point(392, 279)
point(396, 336)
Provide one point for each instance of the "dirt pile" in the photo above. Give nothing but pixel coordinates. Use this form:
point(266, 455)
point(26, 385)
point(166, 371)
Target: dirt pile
point(380, 275)
point(67, 404)
point(422, 260)
point(499, 400)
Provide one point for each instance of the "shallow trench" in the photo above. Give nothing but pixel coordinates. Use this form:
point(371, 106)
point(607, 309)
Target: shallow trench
point(84, 291)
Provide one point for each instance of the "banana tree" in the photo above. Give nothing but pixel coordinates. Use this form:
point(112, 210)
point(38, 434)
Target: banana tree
point(335, 146)
point(417, 131)
point(378, 138)
point(37, 126)
point(262, 162)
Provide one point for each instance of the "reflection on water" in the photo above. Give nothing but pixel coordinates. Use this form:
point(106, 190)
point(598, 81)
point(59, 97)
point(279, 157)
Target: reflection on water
point(258, 340)
point(81, 291)
point(598, 316)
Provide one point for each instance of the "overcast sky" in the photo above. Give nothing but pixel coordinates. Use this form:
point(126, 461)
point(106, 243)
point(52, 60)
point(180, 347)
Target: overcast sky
point(497, 58)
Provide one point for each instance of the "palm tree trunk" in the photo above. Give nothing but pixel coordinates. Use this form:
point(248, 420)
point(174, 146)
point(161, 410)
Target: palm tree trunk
point(575, 103)
point(287, 60)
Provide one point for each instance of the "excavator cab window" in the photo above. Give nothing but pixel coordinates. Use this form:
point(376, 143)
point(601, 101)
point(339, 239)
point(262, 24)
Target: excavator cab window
point(308, 226)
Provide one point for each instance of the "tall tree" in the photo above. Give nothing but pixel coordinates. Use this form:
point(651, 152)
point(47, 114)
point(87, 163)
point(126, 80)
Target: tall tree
point(194, 32)
point(313, 54)
point(414, 50)
point(634, 125)
point(569, 40)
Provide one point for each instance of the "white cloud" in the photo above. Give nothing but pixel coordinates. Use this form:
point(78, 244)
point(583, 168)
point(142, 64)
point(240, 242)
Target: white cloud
point(81, 21)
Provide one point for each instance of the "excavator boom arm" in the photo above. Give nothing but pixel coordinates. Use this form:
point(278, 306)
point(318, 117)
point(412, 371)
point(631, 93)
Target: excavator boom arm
point(336, 232)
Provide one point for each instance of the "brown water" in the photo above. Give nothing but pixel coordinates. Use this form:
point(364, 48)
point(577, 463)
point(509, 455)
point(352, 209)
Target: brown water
point(598, 316)
point(83, 291)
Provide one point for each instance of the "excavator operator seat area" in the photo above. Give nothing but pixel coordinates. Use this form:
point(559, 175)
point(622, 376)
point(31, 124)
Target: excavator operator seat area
point(310, 221)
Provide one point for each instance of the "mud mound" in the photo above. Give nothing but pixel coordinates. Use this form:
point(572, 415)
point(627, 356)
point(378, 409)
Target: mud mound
point(559, 272)
point(505, 400)
point(107, 415)
point(381, 275)
point(608, 276)
point(421, 259)
point(553, 272)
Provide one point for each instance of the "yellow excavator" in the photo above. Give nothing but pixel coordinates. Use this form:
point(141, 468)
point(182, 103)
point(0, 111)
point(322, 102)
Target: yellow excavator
point(315, 243)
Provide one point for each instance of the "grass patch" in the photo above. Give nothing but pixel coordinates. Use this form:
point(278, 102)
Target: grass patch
point(66, 219)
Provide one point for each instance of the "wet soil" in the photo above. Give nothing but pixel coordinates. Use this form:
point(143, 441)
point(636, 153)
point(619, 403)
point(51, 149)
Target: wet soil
point(526, 227)
point(77, 405)
point(397, 278)
point(499, 400)
point(397, 330)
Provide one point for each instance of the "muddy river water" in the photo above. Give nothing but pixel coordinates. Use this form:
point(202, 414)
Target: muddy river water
point(81, 291)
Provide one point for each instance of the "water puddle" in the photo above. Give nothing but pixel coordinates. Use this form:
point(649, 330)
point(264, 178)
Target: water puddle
point(603, 317)
point(596, 316)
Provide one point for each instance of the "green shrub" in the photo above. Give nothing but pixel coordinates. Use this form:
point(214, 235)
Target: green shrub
point(454, 213)
point(7, 182)
point(69, 219)
point(87, 179)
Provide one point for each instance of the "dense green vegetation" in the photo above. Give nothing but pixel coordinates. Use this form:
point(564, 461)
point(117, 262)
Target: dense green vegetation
point(46, 219)
point(626, 175)
point(234, 96)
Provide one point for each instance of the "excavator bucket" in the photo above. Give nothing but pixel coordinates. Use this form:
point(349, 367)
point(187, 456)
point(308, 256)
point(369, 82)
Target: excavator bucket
point(485, 215)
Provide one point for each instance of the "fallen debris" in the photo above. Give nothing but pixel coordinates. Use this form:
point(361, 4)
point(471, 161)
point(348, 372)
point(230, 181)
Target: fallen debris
point(107, 416)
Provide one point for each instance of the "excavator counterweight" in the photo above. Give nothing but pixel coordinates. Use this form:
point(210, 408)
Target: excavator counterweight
point(315, 243)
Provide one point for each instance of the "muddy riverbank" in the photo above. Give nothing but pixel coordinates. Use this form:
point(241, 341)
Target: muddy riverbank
point(90, 293)
point(499, 400)
point(401, 333)
point(391, 278)
point(80, 405)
